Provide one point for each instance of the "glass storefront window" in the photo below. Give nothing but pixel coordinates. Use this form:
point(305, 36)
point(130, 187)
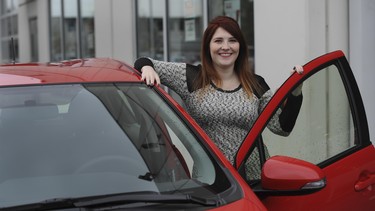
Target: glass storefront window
point(8, 49)
point(87, 28)
point(14, 25)
point(56, 30)
point(9, 26)
point(33, 25)
point(9, 30)
point(4, 27)
point(185, 28)
point(72, 29)
point(150, 27)
point(7, 6)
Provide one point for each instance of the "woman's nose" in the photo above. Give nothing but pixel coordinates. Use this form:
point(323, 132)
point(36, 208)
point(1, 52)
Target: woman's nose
point(225, 45)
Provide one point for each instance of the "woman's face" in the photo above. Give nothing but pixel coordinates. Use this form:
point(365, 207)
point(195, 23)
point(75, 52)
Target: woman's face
point(224, 49)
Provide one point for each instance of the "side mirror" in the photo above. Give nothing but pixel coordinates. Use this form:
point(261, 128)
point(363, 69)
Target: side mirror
point(283, 175)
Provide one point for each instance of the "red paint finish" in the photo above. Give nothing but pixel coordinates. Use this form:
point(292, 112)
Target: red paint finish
point(286, 173)
point(85, 70)
point(340, 193)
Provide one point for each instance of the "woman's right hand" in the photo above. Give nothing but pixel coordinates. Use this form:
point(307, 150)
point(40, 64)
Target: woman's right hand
point(299, 69)
point(150, 76)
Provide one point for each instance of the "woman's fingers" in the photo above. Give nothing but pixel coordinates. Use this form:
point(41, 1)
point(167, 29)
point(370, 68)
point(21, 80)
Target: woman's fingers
point(150, 76)
point(157, 79)
point(298, 69)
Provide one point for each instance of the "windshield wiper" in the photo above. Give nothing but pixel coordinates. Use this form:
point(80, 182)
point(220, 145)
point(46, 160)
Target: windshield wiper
point(118, 199)
point(44, 205)
point(149, 198)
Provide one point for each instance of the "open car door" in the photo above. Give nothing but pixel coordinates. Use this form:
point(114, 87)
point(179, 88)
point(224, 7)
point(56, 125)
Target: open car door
point(327, 161)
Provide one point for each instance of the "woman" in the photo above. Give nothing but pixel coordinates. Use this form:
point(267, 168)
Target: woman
point(223, 94)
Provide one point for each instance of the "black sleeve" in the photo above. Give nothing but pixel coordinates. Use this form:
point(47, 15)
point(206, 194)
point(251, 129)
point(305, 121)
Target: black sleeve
point(263, 86)
point(141, 62)
point(290, 111)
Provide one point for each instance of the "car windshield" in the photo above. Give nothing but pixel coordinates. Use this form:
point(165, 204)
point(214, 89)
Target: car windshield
point(80, 140)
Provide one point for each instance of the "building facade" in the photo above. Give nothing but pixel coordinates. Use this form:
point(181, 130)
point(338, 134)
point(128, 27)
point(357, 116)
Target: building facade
point(279, 34)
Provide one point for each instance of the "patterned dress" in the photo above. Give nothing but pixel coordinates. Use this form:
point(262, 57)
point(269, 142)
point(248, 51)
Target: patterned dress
point(225, 115)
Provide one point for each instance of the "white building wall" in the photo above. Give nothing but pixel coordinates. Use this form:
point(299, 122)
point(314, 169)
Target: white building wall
point(362, 53)
point(280, 39)
point(293, 32)
point(43, 30)
point(27, 10)
point(24, 12)
point(114, 30)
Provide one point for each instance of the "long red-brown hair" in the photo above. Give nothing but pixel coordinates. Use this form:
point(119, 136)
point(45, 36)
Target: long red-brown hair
point(242, 66)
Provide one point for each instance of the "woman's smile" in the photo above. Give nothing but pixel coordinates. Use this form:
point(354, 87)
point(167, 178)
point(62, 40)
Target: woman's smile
point(225, 54)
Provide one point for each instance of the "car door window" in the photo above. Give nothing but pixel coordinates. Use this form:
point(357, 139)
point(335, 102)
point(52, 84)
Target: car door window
point(324, 128)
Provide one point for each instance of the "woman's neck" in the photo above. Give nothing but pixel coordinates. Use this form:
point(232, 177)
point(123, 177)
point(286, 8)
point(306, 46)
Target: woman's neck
point(229, 79)
point(225, 73)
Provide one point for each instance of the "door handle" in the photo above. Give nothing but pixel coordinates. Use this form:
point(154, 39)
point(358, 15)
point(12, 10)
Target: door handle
point(366, 179)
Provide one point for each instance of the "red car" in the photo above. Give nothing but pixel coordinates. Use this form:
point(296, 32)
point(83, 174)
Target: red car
point(90, 134)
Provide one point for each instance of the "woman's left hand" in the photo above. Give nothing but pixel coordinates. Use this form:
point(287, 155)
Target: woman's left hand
point(299, 69)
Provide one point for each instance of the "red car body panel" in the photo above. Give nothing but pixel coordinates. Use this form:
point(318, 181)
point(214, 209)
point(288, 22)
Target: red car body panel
point(82, 70)
point(280, 167)
point(340, 193)
point(243, 204)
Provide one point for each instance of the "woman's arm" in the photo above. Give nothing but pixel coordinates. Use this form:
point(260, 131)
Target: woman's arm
point(155, 71)
point(289, 113)
point(292, 106)
point(282, 123)
point(171, 74)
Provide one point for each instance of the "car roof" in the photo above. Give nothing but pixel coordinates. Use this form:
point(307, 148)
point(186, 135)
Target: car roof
point(70, 71)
